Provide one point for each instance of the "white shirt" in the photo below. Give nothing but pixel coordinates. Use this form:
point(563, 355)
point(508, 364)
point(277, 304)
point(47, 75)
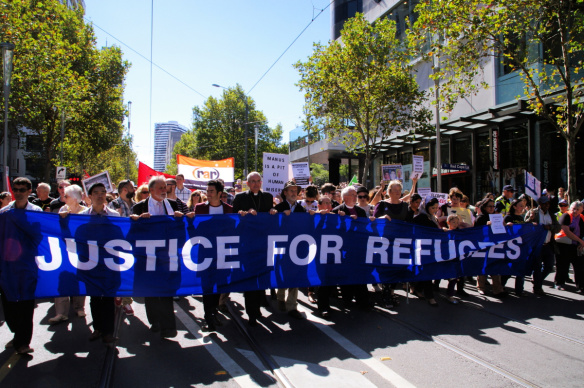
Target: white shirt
point(312, 206)
point(546, 219)
point(156, 208)
point(216, 209)
point(29, 206)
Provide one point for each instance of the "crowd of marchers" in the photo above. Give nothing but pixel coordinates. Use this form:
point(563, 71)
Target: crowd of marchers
point(562, 247)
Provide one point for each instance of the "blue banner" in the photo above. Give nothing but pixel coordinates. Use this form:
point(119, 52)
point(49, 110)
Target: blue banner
point(44, 255)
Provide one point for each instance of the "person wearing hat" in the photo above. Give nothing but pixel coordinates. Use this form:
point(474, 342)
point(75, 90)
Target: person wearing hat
point(544, 264)
point(503, 203)
point(289, 205)
point(563, 206)
point(363, 200)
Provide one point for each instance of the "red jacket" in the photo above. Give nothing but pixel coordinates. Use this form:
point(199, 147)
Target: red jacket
point(203, 208)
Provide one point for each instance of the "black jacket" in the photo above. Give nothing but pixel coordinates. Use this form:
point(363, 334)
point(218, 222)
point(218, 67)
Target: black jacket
point(344, 208)
point(262, 202)
point(142, 206)
point(283, 206)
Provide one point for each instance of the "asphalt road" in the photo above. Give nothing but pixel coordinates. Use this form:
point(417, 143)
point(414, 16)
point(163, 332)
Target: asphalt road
point(483, 342)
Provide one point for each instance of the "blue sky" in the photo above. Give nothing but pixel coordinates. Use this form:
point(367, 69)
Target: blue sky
point(206, 42)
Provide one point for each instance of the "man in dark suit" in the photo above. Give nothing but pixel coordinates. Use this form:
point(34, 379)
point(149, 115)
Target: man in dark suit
point(287, 206)
point(214, 205)
point(252, 202)
point(159, 310)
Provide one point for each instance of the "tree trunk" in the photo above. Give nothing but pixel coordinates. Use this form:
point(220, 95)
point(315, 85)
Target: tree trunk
point(571, 166)
point(365, 172)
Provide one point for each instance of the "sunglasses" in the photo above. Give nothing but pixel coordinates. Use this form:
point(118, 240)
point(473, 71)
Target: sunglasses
point(145, 192)
point(19, 190)
point(196, 195)
point(562, 205)
point(362, 196)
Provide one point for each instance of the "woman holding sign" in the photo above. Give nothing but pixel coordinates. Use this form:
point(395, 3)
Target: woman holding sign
point(487, 207)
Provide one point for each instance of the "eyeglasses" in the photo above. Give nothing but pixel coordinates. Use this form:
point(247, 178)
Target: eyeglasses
point(362, 196)
point(23, 190)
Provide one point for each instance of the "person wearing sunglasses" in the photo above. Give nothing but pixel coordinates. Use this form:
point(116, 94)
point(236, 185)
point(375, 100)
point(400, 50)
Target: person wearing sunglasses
point(59, 202)
point(363, 200)
point(19, 314)
point(310, 201)
point(195, 198)
point(142, 193)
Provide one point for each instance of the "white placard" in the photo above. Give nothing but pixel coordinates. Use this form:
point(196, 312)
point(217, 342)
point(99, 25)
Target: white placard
point(497, 225)
point(102, 177)
point(418, 170)
point(275, 172)
point(423, 191)
point(61, 172)
point(301, 173)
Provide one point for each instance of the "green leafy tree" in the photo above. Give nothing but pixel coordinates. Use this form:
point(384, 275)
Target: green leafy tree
point(541, 40)
point(58, 72)
point(363, 89)
point(218, 132)
point(319, 174)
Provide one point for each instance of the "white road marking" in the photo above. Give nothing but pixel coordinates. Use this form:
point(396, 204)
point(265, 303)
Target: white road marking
point(382, 369)
point(230, 366)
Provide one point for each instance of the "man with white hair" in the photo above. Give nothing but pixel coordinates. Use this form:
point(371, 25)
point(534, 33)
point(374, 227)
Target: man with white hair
point(43, 200)
point(159, 310)
point(358, 291)
point(251, 202)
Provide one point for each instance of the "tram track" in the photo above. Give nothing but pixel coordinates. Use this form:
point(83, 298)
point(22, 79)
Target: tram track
point(458, 350)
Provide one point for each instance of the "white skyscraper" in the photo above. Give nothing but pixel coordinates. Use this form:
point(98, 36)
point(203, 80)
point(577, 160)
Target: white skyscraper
point(166, 135)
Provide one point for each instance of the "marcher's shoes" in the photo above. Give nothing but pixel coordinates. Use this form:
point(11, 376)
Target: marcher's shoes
point(58, 319)
point(24, 349)
point(109, 339)
point(128, 310)
point(168, 333)
point(539, 292)
point(95, 335)
point(295, 314)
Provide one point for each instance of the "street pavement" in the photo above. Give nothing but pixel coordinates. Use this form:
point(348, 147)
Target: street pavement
point(527, 341)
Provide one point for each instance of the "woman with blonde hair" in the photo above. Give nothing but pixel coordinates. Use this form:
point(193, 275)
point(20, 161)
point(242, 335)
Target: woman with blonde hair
point(195, 198)
point(141, 193)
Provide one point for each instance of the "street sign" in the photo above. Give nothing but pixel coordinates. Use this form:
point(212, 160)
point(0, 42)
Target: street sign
point(61, 172)
point(458, 167)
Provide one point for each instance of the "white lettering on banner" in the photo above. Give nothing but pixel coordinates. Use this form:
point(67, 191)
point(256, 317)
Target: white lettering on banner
point(311, 249)
point(56, 259)
point(273, 250)
point(150, 246)
point(398, 250)
point(419, 252)
point(373, 248)
point(74, 258)
point(186, 254)
point(404, 251)
point(128, 258)
point(335, 250)
point(223, 252)
point(173, 255)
